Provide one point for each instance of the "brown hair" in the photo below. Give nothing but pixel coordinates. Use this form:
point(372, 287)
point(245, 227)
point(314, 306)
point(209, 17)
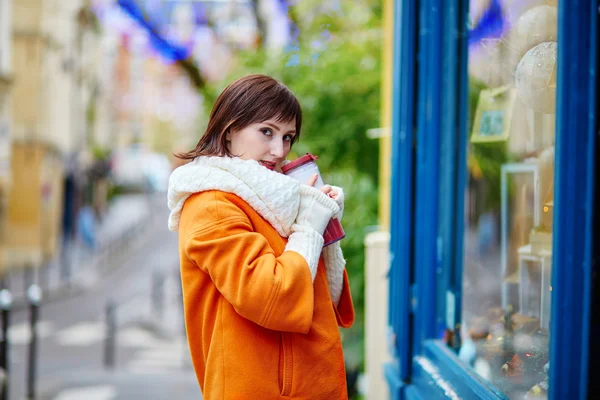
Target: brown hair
point(246, 101)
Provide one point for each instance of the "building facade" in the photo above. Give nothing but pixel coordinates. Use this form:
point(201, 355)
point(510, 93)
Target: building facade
point(494, 227)
point(5, 119)
point(53, 45)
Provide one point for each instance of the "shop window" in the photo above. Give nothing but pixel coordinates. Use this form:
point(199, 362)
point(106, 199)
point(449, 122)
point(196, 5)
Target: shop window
point(509, 195)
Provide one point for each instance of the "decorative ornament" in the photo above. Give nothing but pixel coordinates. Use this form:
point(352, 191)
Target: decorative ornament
point(513, 368)
point(493, 115)
point(539, 391)
point(536, 78)
point(536, 25)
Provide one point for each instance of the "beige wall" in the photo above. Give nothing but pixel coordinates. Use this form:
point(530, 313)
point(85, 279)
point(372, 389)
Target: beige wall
point(5, 161)
point(26, 93)
point(62, 98)
point(5, 36)
point(27, 16)
point(5, 136)
point(50, 94)
point(5, 97)
point(5, 117)
point(34, 205)
point(105, 61)
point(376, 314)
point(27, 51)
point(52, 77)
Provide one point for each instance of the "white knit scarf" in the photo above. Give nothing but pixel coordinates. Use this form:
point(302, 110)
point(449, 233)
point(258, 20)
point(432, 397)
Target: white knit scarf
point(271, 194)
point(274, 196)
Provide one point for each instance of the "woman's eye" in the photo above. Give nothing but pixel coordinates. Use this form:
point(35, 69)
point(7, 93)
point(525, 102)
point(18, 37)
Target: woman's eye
point(267, 131)
point(288, 138)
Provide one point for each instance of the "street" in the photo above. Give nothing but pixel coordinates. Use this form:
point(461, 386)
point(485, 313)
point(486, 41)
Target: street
point(151, 358)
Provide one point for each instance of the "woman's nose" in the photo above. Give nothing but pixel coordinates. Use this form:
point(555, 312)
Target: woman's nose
point(277, 148)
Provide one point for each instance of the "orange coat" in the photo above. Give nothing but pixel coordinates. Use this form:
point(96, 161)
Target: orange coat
point(258, 327)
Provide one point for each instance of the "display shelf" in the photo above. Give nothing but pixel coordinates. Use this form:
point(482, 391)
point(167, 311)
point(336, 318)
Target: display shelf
point(534, 264)
point(513, 278)
point(529, 167)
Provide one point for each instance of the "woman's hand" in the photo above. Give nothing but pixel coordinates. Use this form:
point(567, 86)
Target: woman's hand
point(315, 210)
point(325, 189)
point(337, 194)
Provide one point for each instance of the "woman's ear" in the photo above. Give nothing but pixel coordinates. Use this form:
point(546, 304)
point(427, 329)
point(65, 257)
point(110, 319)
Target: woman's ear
point(228, 136)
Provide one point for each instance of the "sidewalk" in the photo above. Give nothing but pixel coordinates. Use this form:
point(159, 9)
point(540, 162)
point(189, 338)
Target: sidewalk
point(176, 385)
point(162, 370)
point(152, 360)
point(128, 219)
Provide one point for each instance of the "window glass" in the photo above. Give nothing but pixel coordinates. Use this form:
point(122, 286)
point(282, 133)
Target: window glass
point(509, 194)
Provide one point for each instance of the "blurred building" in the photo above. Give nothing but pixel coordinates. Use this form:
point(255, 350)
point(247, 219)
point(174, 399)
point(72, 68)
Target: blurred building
point(5, 118)
point(80, 79)
point(155, 100)
point(54, 94)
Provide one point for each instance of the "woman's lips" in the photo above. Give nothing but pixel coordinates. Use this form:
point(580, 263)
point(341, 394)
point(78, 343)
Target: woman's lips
point(268, 164)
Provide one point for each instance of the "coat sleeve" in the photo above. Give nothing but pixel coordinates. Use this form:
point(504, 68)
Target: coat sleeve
point(274, 292)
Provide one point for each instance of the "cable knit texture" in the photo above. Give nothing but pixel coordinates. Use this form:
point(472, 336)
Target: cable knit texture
point(314, 212)
point(273, 195)
point(308, 243)
point(333, 256)
point(316, 208)
point(335, 265)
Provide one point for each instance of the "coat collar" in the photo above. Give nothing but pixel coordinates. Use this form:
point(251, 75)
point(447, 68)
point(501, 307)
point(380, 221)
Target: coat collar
point(271, 194)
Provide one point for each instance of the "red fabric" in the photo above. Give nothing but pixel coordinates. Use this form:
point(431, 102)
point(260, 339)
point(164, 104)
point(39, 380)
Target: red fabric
point(344, 312)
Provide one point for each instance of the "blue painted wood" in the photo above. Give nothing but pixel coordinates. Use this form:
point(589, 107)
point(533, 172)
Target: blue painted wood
point(447, 185)
point(465, 381)
point(426, 384)
point(461, 151)
point(439, 374)
point(392, 377)
point(411, 393)
point(573, 199)
point(427, 172)
point(402, 212)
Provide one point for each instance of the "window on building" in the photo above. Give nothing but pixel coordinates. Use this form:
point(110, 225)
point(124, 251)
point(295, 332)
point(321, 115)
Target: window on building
point(509, 194)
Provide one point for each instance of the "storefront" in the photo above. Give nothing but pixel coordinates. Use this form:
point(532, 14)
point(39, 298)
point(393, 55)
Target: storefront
point(495, 238)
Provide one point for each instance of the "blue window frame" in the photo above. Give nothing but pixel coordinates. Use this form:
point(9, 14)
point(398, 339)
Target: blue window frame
point(401, 256)
point(576, 160)
point(429, 172)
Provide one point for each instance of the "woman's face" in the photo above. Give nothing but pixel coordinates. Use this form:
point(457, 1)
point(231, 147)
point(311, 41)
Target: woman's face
point(267, 142)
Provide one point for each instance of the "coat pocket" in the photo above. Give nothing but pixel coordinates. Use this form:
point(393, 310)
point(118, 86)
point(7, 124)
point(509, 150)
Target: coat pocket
point(285, 364)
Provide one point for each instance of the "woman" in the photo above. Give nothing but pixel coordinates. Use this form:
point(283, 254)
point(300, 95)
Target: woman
point(263, 300)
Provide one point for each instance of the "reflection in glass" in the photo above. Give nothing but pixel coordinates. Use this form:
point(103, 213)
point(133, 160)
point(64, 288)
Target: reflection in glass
point(509, 195)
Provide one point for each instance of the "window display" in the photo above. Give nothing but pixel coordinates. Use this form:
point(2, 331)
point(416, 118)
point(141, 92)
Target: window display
point(509, 198)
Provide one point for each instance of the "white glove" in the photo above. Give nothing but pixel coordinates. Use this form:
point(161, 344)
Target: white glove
point(339, 200)
point(316, 209)
point(314, 213)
